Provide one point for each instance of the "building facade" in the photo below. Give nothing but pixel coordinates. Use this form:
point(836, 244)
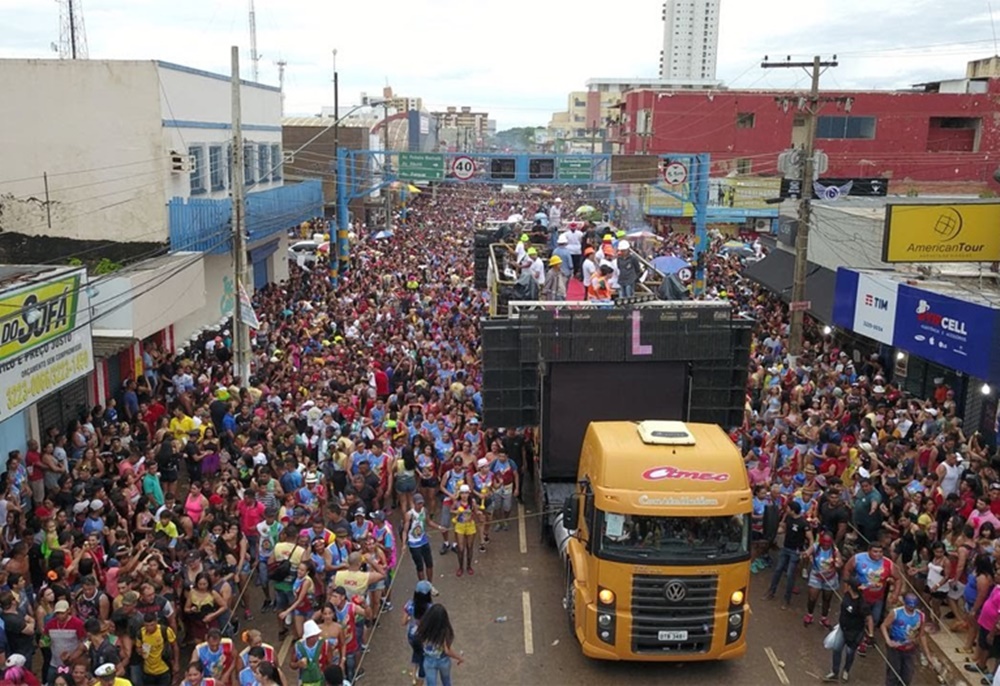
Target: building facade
point(690, 40)
point(944, 131)
point(133, 179)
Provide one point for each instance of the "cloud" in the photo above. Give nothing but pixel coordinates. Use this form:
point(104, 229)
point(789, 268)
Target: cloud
point(518, 59)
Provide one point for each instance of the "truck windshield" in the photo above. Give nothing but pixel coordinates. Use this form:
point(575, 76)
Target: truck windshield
point(673, 540)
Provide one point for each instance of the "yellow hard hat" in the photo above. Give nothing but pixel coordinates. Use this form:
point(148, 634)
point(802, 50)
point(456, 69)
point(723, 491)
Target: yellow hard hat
point(607, 237)
point(525, 238)
point(532, 251)
point(554, 260)
point(621, 233)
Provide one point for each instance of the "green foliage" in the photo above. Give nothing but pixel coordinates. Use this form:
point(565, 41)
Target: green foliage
point(75, 262)
point(106, 266)
point(912, 192)
point(988, 194)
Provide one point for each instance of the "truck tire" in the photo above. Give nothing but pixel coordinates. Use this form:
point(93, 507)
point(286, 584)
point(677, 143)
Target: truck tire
point(569, 600)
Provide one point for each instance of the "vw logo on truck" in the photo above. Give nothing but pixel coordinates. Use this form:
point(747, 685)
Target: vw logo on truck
point(675, 591)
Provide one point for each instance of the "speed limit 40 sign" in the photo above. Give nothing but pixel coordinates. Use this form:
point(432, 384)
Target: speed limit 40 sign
point(464, 168)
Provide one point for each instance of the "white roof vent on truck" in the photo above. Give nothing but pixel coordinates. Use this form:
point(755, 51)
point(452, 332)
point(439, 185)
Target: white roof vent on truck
point(656, 432)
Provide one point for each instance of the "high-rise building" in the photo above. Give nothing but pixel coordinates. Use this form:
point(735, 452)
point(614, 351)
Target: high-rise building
point(690, 40)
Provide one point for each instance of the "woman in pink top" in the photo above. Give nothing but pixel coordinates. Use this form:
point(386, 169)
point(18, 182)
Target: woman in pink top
point(989, 616)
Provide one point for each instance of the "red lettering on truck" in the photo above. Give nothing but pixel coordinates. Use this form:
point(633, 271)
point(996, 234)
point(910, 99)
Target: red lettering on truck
point(668, 472)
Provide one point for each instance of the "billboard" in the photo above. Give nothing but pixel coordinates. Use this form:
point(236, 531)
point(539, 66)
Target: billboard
point(957, 232)
point(955, 333)
point(45, 340)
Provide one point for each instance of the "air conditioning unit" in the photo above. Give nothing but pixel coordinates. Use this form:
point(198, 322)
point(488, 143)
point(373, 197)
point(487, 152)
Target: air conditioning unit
point(761, 225)
point(179, 163)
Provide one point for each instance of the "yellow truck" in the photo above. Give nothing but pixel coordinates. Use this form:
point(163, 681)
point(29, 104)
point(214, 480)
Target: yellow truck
point(656, 543)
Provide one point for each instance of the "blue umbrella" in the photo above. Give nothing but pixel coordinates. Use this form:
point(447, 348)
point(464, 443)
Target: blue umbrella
point(669, 264)
point(384, 233)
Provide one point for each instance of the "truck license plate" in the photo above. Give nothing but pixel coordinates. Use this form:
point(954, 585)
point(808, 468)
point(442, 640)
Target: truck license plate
point(673, 635)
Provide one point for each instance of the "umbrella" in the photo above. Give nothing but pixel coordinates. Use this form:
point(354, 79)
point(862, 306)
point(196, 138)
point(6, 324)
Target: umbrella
point(516, 218)
point(413, 189)
point(739, 250)
point(585, 209)
point(323, 247)
point(384, 233)
point(669, 264)
point(734, 244)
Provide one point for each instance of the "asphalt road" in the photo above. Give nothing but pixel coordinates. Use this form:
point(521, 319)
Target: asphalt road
point(518, 573)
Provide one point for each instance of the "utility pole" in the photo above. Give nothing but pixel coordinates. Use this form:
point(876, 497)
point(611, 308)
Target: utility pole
point(281, 83)
point(241, 335)
point(810, 109)
point(336, 123)
point(388, 169)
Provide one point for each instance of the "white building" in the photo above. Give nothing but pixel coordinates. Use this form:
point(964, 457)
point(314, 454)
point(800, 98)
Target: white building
point(690, 40)
point(132, 159)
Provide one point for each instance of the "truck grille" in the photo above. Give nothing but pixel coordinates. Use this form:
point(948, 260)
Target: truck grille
point(653, 612)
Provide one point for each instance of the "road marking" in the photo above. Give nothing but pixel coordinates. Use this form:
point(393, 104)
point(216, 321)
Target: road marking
point(521, 534)
point(777, 665)
point(529, 639)
point(283, 651)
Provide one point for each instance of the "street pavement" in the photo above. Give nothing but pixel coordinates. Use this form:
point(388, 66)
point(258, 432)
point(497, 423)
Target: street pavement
point(521, 579)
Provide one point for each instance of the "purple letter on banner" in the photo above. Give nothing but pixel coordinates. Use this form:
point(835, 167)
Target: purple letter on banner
point(637, 346)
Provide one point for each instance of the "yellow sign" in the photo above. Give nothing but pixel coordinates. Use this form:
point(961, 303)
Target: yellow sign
point(38, 314)
point(957, 232)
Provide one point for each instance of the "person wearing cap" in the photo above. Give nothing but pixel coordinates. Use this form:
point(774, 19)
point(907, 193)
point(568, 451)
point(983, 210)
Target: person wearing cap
point(521, 248)
point(904, 631)
point(588, 266)
point(629, 269)
point(554, 286)
point(463, 511)
point(451, 479)
point(483, 485)
point(311, 655)
point(536, 268)
point(107, 675)
point(65, 633)
point(413, 611)
point(600, 286)
point(825, 564)
point(561, 250)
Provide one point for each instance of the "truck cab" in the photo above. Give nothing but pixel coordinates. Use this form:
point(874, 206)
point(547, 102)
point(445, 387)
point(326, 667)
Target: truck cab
point(656, 543)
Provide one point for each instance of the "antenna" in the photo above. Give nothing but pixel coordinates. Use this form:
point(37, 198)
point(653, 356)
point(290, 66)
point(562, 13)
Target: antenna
point(993, 25)
point(281, 83)
point(254, 57)
point(72, 35)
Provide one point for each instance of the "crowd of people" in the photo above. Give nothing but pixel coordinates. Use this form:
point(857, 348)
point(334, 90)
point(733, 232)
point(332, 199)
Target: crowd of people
point(133, 535)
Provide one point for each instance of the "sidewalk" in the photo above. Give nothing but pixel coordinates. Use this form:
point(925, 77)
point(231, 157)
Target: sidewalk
point(947, 662)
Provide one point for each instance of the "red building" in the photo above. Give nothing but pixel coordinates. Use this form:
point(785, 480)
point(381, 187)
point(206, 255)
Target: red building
point(943, 131)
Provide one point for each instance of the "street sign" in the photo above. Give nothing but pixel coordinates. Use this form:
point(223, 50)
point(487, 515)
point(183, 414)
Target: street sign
point(675, 173)
point(831, 189)
point(571, 169)
point(800, 305)
point(421, 166)
point(464, 168)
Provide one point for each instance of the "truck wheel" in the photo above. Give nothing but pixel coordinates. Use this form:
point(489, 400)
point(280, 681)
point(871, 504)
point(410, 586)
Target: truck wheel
point(569, 600)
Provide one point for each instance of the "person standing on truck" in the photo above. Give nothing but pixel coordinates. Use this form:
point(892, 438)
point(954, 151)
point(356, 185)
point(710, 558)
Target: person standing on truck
point(797, 538)
point(555, 283)
point(588, 267)
point(629, 269)
point(599, 287)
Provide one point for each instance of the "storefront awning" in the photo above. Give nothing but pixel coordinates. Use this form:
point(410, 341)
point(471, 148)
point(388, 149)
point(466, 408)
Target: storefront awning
point(776, 272)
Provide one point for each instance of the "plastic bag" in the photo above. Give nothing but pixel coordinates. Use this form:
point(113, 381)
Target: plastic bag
point(835, 639)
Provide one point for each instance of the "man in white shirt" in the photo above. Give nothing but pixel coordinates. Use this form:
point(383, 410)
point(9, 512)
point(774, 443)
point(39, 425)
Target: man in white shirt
point(536, 267)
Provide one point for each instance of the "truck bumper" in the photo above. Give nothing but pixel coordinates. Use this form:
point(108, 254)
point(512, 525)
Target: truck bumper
point(601, 651)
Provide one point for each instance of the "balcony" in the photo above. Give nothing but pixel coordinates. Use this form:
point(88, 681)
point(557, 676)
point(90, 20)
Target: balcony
point(203, 225)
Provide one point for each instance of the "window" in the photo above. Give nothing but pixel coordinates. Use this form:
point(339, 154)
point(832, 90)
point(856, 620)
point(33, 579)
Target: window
point(197, 175)
point(577, 102)
point(798, 121)
point(276, 161)
point(846, 127)
point(744, 165)
point(248, 166)
point(745, 120)
point(217, 168)
point(263, 162)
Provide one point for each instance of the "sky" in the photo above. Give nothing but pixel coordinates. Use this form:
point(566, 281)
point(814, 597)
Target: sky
point(516, 59)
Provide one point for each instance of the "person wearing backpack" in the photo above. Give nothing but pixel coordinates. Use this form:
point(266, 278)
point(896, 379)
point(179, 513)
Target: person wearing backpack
point(312, 655)
point(160, 655)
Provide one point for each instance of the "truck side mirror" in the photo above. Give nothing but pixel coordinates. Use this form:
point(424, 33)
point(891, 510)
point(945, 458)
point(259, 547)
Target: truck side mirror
point(571, 512)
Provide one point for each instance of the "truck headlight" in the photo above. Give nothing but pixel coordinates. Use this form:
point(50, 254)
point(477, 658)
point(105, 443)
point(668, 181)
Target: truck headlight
point(606, 596)
point(736, 598)
point(735, 619)
point(604, 620)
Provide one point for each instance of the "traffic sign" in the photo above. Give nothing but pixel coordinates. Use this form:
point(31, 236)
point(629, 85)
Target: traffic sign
point(575, 169)
point(800, 305)
point(675, 173)
point(464, 168)
point(421, 166)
